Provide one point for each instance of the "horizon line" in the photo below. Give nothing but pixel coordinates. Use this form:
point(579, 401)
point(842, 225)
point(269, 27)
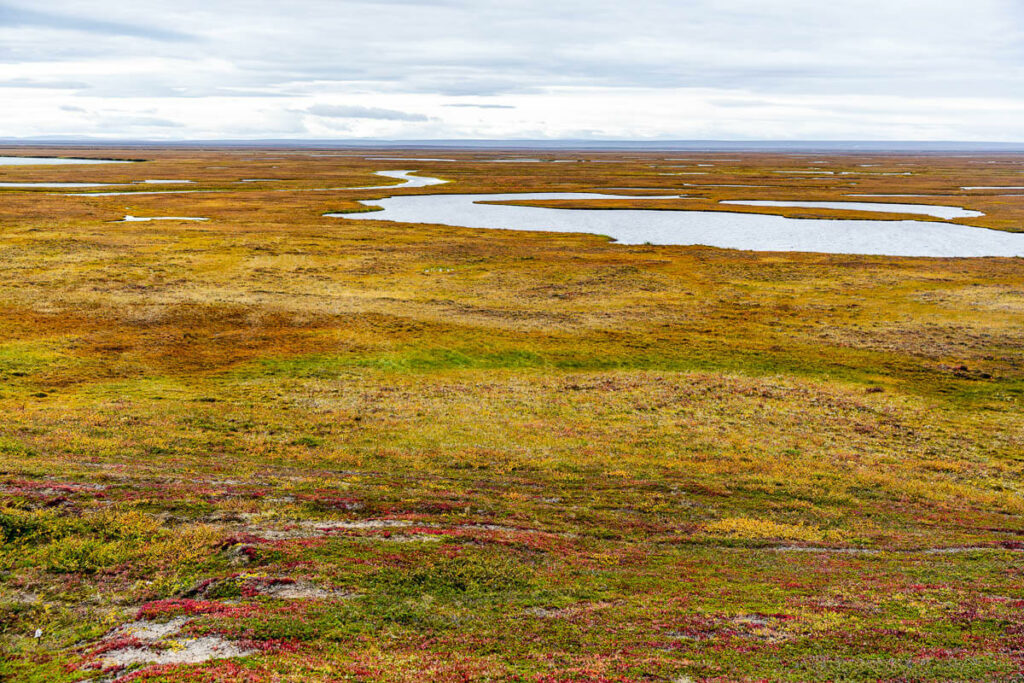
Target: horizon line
point(578, 144)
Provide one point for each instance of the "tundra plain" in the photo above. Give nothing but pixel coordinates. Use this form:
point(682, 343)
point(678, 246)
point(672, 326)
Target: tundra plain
point(278, 446)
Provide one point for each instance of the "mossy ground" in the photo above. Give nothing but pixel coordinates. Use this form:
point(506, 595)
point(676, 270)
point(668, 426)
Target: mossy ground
point(489, 455)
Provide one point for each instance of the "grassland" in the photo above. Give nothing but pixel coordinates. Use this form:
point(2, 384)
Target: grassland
point(365, 451)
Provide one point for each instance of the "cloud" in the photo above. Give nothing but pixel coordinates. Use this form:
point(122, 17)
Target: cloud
point(123, 121)
point(739, 102)
point(601, 68)
point(339, 111)
point(44, 84)
point(481, 106)
point(12, 16)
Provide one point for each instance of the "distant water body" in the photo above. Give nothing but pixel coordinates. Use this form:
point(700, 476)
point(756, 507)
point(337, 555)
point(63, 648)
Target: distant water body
point(56, 161)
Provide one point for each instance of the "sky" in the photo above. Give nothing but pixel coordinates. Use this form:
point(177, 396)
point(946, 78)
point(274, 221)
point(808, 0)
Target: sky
point(513, 69)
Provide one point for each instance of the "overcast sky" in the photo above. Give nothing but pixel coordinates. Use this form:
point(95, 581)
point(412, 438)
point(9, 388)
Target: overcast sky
point(600, 69)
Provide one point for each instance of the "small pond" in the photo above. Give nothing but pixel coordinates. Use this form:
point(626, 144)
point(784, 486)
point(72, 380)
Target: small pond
point(56, 161)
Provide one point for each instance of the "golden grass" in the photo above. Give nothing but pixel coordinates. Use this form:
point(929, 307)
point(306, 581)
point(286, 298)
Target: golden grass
point(592, 429)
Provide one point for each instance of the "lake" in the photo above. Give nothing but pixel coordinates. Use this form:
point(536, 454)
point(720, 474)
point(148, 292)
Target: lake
point(748, 231)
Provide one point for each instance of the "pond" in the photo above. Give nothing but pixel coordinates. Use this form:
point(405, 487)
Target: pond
point(410, 181)
point(46, 184)
point(56, 184)
point(407, 159)
point(944, 212)
point(405, 176)
point(56, 161)
point(748, 231)
point(994, 187)
point(143, 219)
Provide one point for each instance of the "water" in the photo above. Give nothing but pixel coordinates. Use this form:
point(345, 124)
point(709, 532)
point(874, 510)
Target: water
point(143, 219)
point(130, 194)
point(141, 182)
point(406, 176)
point(944, 212)
point(56, 161)
point(410, 181)
point(749, 231)
point(406, 159)
point(56, 184)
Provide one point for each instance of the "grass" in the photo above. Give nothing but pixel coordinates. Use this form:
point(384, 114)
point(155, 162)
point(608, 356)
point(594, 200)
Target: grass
point(381, 452)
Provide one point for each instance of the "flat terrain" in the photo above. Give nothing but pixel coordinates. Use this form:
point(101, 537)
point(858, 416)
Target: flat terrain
point(275, 446)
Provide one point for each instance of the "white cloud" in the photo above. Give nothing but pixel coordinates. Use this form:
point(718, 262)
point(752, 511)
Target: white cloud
point(342, 111)
point(669, 69)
